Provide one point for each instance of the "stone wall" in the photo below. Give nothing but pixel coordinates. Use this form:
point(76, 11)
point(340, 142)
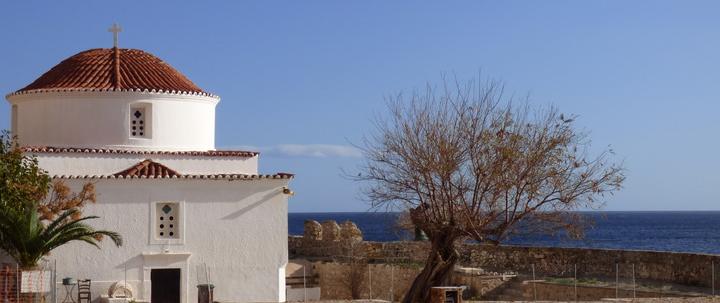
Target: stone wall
point(680, 268)
point(557, 292)
point(479, 286)
point(299, 246)
point(346, 281)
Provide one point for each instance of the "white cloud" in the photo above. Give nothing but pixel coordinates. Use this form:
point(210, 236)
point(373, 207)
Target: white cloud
point(308, 150)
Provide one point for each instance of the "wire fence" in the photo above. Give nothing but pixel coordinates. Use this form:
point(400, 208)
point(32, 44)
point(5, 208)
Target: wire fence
point(362, 275)
point(355, 274)
point(36, 285)
point(620, 281)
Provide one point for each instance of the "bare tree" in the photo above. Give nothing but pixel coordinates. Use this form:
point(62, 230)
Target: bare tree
point(468, 164)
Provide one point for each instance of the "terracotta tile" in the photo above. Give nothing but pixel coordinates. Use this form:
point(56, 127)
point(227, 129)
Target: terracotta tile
point(102, 68)
point(148, 168)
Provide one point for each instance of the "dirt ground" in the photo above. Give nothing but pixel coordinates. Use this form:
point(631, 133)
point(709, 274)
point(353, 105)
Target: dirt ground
point(648, 300)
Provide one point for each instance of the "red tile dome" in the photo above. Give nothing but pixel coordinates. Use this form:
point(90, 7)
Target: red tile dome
point(114, 68)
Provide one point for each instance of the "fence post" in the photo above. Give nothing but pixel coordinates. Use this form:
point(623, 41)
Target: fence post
point(617, 280)
point(712, 266)
point(4, 279)
point(575, 269)
point(633, 276)
point(304, 283)
point(533, 282)
point(18, 284)
point(54, 280)
point(392, 282)
point(370, 281)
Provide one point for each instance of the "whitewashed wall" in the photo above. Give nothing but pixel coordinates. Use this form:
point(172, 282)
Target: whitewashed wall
point(107, 164)
point(238, 228)
point(102, 120)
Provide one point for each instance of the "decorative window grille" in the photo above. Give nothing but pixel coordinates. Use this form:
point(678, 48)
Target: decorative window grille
point(137, 122)
point(167, 220)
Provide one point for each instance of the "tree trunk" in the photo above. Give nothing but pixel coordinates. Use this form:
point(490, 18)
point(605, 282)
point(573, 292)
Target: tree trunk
point(438, 267)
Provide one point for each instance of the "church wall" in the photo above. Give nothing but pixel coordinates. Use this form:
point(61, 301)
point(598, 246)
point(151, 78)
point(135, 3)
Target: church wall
point(102, 120)
point(82, 164)
point(238, 229)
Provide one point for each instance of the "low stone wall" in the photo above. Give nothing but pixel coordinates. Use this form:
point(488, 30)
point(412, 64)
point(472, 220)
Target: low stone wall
point(480, 286)
point(378, 252)
point(679, 268)
point(345, 281)
point(556, 292)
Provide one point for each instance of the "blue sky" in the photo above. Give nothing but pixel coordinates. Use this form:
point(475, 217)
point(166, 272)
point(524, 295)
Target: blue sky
point(301, 80)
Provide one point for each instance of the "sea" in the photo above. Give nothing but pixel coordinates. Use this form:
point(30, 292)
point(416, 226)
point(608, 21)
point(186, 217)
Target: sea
point(673, 231)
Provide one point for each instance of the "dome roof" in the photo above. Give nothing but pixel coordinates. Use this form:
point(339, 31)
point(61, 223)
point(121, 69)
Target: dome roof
point(113, 69)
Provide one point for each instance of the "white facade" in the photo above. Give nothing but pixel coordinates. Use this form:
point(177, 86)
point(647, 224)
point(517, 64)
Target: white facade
point(213, 211)
point(103, 119)
point(100, 164)
point(237, 228)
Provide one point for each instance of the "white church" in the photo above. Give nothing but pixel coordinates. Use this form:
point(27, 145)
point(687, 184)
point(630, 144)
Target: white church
point(144, 134)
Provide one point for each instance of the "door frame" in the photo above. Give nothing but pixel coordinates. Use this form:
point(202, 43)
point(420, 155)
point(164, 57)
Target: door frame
point(163, 261)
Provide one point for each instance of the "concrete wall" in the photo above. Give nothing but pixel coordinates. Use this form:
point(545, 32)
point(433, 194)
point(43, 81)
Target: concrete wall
point(303, 294)
point(102, 120)
point(237, 228)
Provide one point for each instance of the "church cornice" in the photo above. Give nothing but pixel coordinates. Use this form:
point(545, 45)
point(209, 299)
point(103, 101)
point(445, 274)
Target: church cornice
point(227, 177)
point(111, 90)
point(209, 153)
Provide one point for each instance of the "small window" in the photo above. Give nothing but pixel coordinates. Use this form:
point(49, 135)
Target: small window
point(138, 127)
point(14, 118)
point(167, 223)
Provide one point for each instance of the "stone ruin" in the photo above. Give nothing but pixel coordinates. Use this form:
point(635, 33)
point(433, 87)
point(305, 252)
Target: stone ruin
point(331, 231)
point(313, 230)
point(349, 231)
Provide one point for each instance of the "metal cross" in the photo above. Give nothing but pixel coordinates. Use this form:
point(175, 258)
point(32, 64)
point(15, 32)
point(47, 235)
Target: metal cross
point(115, 29)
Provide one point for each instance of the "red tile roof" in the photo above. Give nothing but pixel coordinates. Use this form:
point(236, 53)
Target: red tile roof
point(209, 153)
point(113, 69)
point(148, 168)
